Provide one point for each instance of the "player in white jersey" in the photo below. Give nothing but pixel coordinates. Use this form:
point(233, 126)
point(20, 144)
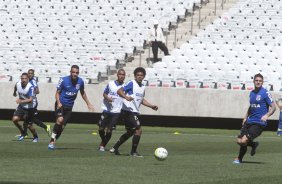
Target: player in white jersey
point(33, 81)
point(111, 106)
point(133, 93)
point(25, 109)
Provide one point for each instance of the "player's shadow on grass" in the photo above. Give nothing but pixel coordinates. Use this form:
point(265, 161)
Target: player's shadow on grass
point(251, 162)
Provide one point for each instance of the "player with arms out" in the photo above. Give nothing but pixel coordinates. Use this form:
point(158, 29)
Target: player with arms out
point(26, 107)
point(133, 93)
point(66, 93)
point(111, 105)
point(260, 109)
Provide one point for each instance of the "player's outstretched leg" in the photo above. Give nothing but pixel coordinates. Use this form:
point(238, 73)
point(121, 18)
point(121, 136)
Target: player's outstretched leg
point(39, 123)
point(121, 140)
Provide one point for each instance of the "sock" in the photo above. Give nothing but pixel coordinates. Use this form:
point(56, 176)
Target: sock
point(39, 123)
point(57, 131)
point(25, 125)
point(122, 139)
point(107, 137)
point(102, 135)
point(242, 152)
point(19, 127)
point(251, 143)
point(35, 136)
point(135, 142)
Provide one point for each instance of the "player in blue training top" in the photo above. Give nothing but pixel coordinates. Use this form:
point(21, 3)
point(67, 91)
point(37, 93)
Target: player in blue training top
point(133, 93)
point(260, 109)
point(26, 107)
point(111, 105)
point(66, 94)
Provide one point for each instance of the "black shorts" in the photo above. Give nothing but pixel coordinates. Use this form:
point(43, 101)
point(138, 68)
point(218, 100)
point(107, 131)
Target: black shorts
point(64, 112)
point(252, 131)
point(108, 120)
point(26, 114)
point(131, 120)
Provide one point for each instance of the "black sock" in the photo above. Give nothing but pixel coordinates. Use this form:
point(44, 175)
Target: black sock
point(122, 139)
point(135, 142)
point(35, 136)
point(107, 137)
point(39, 123)
point(24, 133)
point(242, 152)
point(251, 143)
point(57, 131)
point(102, 135)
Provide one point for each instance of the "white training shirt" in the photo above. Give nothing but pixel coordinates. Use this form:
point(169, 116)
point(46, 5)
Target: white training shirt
point(111, 90)
point(26, 93)
point(137, 92)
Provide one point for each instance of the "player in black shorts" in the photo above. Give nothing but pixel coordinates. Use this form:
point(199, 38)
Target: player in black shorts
point(112, 104)
point(261, 107)
point(26, 107)
point(133, 93)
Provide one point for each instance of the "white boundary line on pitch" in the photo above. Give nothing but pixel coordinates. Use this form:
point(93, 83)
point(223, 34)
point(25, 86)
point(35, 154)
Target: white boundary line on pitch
point(210, 135)
point(229, 136)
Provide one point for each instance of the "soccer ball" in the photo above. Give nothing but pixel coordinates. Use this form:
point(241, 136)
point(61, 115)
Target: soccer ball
point(161, 154)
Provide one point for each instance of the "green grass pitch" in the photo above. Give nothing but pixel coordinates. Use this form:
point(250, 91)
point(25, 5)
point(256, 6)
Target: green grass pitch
point(201, 156)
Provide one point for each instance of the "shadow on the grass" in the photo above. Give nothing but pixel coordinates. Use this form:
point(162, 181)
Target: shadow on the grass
point(251, 162)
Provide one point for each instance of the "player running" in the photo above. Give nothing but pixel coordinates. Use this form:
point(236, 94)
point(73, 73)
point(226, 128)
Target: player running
point(66, 93)
point(26, 107)
point(112, 104)
point(260, 109)
point(133, 93)
point(33, 81)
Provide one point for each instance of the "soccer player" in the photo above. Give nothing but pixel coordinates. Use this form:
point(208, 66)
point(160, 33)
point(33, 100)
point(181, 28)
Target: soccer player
point(66, 93)
point(111, 106)
point(133, 93)
point(260, 109)
point(26, 107)
point(279, 105)
point(33, 81)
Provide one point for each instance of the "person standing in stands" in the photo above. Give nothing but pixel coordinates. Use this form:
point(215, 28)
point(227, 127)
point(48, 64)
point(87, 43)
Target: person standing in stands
point(157, 40)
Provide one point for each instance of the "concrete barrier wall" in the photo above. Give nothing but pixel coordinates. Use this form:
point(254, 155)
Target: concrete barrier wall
point(171, 101)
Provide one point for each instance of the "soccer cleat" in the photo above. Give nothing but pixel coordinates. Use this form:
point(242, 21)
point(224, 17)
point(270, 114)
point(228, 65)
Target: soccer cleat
point(115, 151)
point(136, 155)
point(101, 148)
point(279, 133)
point(51, 146)
point(20, 138)
point(237, 161)
point(19, 135)
point(48, 130)
point(35, 139)
point(253, 151)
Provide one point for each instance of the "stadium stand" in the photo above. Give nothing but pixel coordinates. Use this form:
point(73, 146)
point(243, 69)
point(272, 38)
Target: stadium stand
point(97, 35)
point(242, 42)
